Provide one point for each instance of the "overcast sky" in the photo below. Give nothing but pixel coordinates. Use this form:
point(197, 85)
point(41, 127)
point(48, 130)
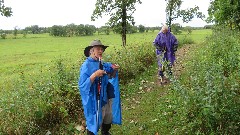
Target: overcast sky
point(46, 13)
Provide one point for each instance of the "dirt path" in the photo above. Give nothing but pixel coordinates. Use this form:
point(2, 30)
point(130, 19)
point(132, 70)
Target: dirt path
point(181, 58)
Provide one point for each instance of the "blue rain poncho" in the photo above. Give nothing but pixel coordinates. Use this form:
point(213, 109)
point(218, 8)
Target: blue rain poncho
point(88, 92)
point(166, 45)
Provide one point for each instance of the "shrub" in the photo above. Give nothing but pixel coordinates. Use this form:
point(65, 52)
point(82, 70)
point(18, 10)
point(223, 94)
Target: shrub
point(3, 35)
point(209, 91)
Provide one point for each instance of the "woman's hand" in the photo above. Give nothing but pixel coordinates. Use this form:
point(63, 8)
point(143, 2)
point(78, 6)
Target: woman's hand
point(98, 73)
point(115, 66)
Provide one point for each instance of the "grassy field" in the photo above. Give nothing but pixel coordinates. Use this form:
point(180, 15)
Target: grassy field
point(39, 49)
point(36, 52)
point(28, 82)
point(39, 89)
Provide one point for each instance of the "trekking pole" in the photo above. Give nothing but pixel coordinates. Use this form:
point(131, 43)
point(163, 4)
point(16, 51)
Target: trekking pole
point(99, 90)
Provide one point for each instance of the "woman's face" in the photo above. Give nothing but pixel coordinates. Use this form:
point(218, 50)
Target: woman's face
point(97, 51)
point(164, 31)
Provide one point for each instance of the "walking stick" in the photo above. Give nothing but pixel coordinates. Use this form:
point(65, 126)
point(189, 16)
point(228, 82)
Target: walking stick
point(99, 91)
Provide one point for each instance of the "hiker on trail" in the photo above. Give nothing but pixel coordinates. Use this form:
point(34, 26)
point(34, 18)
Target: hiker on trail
point(166, 45)
point(99, 90)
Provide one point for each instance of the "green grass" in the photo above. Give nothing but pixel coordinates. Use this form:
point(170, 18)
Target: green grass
point(33, 53)
point(198, 36)
point(147, 109)
point(25, 62)
point(141, 110)
point(43, 48)
point(36, 53)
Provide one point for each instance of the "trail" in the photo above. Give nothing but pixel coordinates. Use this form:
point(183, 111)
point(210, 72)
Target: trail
point(141, 113)
point(181, 58)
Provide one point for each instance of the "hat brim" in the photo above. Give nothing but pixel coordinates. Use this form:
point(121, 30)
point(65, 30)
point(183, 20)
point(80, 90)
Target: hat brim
point(87, 49)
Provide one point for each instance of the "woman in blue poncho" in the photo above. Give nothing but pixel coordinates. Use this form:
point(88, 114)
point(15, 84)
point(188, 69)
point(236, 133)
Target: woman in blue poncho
point(99, 90)
point(166, 45)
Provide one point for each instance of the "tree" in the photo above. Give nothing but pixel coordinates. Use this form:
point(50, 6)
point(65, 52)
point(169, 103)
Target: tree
point(172, 8)
point(5, 11)
point(141, 28)
point(80, 30)
point(120, 12)
point(173, 12)
point(188, 29)
point(15, 32)
point(104, 29)
point(225, 12)
point(70, 28)
point(58, 30)
point(176, 28)
point(89, 29)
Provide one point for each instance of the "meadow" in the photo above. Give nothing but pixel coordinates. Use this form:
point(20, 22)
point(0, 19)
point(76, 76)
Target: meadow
point(39, 49)
point(39, 74)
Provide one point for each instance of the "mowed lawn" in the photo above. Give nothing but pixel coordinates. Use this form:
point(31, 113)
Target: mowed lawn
point(34, 52)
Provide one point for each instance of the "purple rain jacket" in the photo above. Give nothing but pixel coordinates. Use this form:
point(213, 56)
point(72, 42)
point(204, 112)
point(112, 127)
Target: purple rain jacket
point(165, 43)
point(88, 92)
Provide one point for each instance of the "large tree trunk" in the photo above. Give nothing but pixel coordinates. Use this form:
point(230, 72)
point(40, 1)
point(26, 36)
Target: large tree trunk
point(170, 16)
point(124, 25)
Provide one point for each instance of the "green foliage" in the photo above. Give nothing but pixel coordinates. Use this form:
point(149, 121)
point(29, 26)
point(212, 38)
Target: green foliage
point(39, 102)
point(173, 11)
point(185, 39)
point(225, 12)
point(3, 35)
point(5, 11)
point(136, 58)
point(141, 28)
point(188, 29)
point(71, 30)
point(189, 14)
point(15, 32)
point(40, 95)
point(104, 29)
point(120, 12)
point(176, 28)
point(209, 90)
point(35, 29)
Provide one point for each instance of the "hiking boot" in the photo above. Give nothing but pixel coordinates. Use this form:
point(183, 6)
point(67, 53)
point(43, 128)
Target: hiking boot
point(89, 132)
point(105, 129)
point(163, 80)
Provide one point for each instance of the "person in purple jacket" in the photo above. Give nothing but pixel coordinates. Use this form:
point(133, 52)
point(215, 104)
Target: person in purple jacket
point(166, 45)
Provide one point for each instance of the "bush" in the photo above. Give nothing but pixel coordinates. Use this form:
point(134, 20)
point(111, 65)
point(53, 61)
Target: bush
point(36, 102)
point(209, 92)
point(133, 60)
point(3, 35)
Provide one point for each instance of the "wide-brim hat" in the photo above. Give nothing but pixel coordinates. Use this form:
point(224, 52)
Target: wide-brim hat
point(92, 44)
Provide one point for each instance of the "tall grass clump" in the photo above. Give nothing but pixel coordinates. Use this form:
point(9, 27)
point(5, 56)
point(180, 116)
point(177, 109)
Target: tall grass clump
point(209, 93)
